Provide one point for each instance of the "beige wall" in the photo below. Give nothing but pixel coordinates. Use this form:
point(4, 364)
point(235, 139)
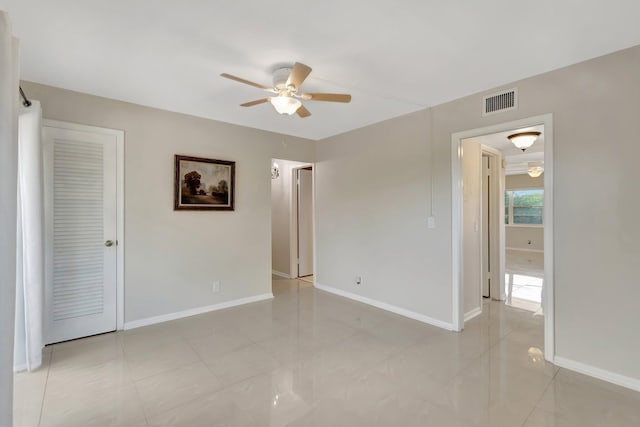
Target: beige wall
point(172, 257)
point(518, 237)
point(520, 181)
point(372, 205)
point(373, 200)
point(281, 212)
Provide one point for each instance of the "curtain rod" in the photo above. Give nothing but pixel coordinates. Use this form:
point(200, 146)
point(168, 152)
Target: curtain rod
point(25, 101)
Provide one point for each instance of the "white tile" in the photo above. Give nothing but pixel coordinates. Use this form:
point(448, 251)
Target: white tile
point(309, 358)
point(80, 407)
point(212, 410)
point(105, 375)
point(241, 364)
point(492, 393)
point(86, 352)
point(329, 413)
point(145, 339)
point(581, 399)
point(380, 402)
point(144, 362)
point(28, 391)
point(216, 344)
point(167, 390)
point(540, 418)
point(273, 399)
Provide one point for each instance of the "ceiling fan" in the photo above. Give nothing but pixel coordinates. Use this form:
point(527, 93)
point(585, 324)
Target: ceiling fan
point(286, 86)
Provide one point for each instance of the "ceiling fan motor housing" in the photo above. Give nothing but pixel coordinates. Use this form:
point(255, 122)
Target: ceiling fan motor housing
point(280, 77)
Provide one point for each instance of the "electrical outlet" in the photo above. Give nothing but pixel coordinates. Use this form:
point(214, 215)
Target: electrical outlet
point(431, 222)
point(358, 280)
point(215, 287)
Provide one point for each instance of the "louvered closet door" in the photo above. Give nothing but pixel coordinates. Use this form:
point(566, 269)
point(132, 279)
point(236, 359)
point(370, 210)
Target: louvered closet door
point(80, 215)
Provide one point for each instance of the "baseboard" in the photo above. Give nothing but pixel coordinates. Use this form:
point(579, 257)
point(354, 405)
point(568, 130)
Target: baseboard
point(19, 368)
point(473, 313)
point(194, 311)
point(388, 307)
point(539, 251)
point(601, 374)
point(280, 274)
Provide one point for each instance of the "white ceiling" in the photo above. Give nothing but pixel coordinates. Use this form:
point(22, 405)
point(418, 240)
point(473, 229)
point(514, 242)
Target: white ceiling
point(517, 161)
point(394, 57)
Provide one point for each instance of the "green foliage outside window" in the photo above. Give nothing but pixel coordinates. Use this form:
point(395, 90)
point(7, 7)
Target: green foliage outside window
point(524, 207)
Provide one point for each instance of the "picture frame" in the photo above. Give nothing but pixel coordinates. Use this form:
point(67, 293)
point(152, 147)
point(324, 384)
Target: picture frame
point(204, 184)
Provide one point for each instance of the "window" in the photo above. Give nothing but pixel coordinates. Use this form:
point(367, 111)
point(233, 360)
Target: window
point(523, 207)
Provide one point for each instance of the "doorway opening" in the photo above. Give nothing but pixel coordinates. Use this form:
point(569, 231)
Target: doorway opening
point(502, 208)
point(292, 223)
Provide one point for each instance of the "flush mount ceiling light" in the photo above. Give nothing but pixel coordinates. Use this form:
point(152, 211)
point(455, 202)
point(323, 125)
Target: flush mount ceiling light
point(535, 169)
point(285, 104)
point(523, 140)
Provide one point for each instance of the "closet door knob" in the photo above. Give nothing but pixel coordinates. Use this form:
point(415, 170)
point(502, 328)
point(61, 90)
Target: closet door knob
point(108, 243)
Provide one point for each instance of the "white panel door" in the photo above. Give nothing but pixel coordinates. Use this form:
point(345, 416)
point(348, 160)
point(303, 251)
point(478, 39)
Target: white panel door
point(305, 222)
point(80, 224)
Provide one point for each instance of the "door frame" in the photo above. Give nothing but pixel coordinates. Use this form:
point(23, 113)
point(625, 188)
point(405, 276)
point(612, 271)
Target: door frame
point(456, 222)
point(119, 135)
point(293, 224)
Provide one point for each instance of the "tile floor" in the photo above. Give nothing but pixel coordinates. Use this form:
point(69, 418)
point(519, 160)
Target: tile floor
point(307, 278)
point(524, 276)
point(309, 358)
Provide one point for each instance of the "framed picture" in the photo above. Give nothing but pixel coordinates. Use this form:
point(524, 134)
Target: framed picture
point(204, 184)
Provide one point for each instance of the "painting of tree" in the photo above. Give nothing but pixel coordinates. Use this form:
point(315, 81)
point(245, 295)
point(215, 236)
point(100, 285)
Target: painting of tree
point(192, 181)
point(203, 184)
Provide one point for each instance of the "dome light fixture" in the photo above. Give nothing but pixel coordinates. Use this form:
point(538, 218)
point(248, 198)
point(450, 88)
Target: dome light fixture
point(535, 169)
point(285, 104)
point(523, 140)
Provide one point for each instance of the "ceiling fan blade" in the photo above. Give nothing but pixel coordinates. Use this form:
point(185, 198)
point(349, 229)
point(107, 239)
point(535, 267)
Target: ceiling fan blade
point(303, 112)
point(247, 82)
point(330, 97)
point(298, 74)
point(256, 102)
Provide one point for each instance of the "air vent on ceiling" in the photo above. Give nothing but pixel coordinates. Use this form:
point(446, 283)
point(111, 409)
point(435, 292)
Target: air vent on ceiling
point(500, 102)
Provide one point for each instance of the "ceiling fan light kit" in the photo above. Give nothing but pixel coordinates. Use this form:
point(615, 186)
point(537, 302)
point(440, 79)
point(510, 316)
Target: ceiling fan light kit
point(286, 83)
point(523, 140)
point(285, 104)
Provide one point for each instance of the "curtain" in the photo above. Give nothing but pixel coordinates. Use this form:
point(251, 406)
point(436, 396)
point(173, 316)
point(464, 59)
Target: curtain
point(30, 242)
point(8, 209)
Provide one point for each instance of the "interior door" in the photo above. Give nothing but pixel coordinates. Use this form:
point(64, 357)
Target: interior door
point(305, 222)
point(80, 233)
point(486, 227)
